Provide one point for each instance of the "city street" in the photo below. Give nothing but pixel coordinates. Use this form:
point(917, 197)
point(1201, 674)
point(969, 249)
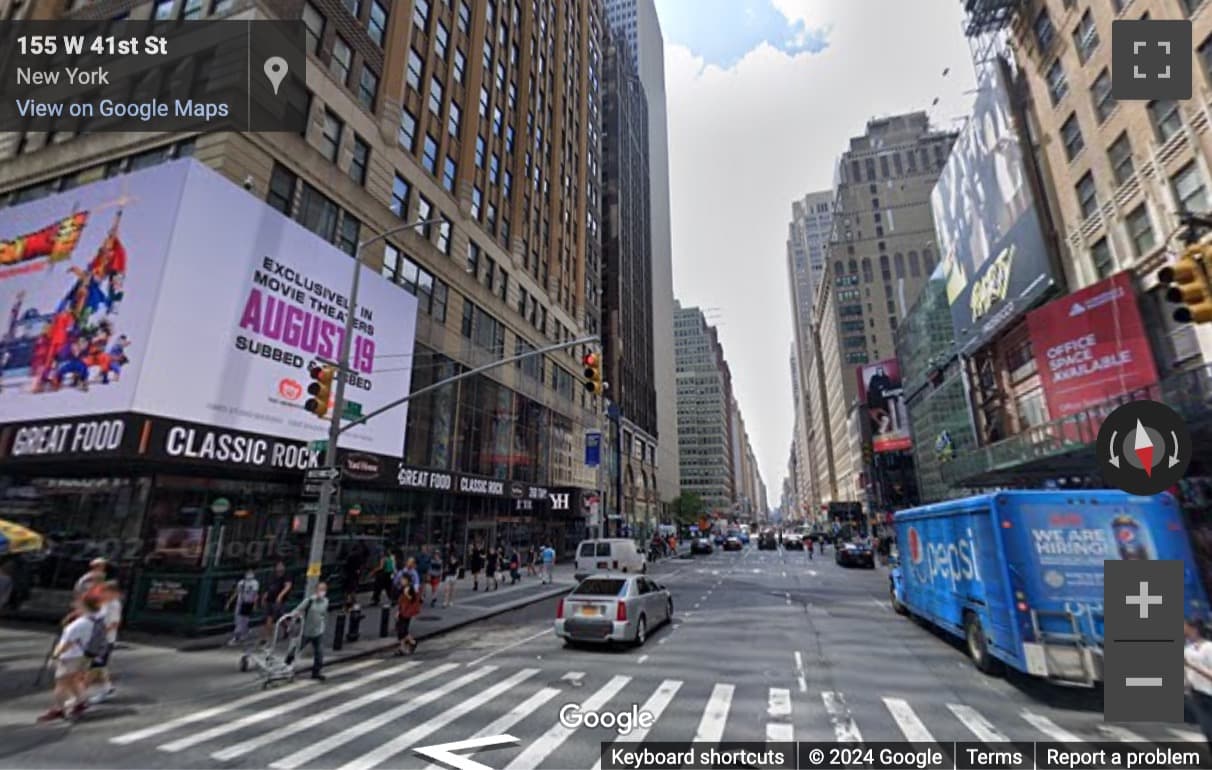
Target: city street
point(765, 645)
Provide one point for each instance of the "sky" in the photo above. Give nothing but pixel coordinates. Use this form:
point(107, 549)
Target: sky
point(762, 97)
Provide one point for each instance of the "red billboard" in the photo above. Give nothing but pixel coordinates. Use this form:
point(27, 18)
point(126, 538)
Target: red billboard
point(879, 389)
point(1091, 346)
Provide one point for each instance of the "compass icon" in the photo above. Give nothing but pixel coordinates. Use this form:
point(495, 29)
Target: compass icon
point(1143, 448)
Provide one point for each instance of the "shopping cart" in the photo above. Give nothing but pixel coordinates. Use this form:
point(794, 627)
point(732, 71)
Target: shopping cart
point(275, 661)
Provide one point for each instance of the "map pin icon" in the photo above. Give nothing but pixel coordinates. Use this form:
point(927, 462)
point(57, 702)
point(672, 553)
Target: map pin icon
point(275, 70)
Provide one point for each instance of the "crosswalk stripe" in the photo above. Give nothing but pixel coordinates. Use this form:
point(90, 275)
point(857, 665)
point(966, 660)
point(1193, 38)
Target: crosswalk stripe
point(655, 705)
point(298, 726)
point(1050, 728)
point(291, 705)
point(1186, 735)
point(393, 747)
point(979, 726)
point(779, 704)
point(779, 731)
point(711, 727)
point(534, 754)
point(1118, 733)
point(201, 716)
point(517, 714)
point(320, 748)
point(906, 719)
point(843, 724)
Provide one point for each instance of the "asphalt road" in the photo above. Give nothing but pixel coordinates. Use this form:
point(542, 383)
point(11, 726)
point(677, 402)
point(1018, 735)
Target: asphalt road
point(764, 645)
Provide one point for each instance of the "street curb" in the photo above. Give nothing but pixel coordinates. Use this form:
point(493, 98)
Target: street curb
point(391, 645)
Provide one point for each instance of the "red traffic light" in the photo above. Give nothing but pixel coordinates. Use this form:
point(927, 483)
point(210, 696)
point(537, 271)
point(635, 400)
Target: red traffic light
point(590, 359)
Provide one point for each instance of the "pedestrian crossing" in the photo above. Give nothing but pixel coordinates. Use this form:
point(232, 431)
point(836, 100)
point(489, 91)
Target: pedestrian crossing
point(375, 714)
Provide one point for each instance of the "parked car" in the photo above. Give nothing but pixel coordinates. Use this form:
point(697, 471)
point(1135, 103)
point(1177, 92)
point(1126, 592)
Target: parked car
point(792, 542)
point(608, 608)
point(767, 542)
point(608, 555)
point(733, 543)
point(850, 554)
point(701, 545)
point(719, 538)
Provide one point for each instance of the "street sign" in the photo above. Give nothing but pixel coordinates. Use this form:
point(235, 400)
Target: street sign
point(352, 410)
point(313, 489)
point(323, 474)
point(319, 447)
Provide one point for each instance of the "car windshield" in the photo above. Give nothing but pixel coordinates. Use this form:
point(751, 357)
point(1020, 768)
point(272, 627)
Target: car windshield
point(601, 587)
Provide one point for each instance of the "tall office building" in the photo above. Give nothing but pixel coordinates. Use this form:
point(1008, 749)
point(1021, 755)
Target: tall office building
point(636, 22)
point(482, 115)
point(627, 329)
point(704, 399)
point(881, 251)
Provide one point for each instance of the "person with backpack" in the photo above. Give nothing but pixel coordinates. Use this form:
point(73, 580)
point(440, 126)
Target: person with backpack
point(313, 611)
point(111, 612)
point(407, 608)
point(245, 596)
point(515, 566)
point(82, 640)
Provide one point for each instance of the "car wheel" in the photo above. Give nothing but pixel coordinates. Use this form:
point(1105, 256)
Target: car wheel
point(897, 607)
point(978, 648)
point(641, 631)
point(669, 610)
point(569, 644)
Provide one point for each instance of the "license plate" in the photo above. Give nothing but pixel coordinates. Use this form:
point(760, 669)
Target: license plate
point(590, 611)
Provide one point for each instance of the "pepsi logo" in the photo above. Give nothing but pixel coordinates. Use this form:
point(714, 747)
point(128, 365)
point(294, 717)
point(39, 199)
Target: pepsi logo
point(916, 553)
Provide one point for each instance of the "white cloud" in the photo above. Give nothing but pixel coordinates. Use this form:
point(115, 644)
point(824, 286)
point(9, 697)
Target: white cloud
point(746, 141)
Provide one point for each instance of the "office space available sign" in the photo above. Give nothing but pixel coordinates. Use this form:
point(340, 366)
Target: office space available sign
point(1091, 346)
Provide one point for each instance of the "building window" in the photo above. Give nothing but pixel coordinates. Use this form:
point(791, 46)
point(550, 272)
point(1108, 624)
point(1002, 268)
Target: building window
point(1140, 230)
point(191, 9)
point(490, 273)
point(400, 190)
point(460, 66)
point(359, 161)
point(441, 40)
point(1087, 197)
point(282, 189)
point(1167, 120)
point(317, 213)
point(1189, 189)
point(464, 17)
point(407, 135)
point(1192, 5)
point(494, 169)
point(1120, 155)
point(1071, 131)
point(473, 259)
point(1085, 37)
point(342, 60)
point(1045, 33)
point(377, 26)
point(479, 151)
point(330, 136)
point(1057, 85)
point(506, 184)
point(435, 96)
point(1100, 254)
point(429, 157)
point(441, 298)
point(509, 139)
point(347, 241)
point(1205, 56)
point(449, 174)
point(420, 13)
point(368, 87)
point(1100, 94)
point(416, 68)
point(483, 102)
point(477, 200)
point(391, 263)
point(313, 21)
point(444, 236)
point(424, 214)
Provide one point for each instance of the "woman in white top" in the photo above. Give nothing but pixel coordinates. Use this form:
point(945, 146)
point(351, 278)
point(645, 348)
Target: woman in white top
point(71, 663)
point(1198, 658)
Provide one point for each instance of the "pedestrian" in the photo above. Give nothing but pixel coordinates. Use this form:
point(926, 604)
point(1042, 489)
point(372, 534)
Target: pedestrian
point(111, 612)
point(274, 598)
point(532, 561)
point(314, 613)
point(452, 573)
point(407, 576)
point(491, 563)
point(515, 566)
point(97, 574)
point(407, 608)
point(423, 560)
point(352, 569)
point(1197, 657)
point(475, 560)
point(382, 575)
point(81, 630)
point(811, 546)
point(548, 556)
point(435, 575)
point(244, 596)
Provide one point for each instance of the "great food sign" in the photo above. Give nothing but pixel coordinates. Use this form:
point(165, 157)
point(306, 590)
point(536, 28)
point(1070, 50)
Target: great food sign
point(125, 296)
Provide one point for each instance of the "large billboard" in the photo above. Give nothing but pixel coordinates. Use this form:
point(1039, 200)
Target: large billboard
point(172, 292)
point(1091, 346)
point(880, 390)
point(990, 236)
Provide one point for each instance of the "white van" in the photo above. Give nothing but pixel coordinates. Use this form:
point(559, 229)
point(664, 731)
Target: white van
point(609, 555)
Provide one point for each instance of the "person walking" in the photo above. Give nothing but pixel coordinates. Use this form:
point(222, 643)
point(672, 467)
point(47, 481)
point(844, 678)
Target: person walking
point(244, 596)
point(352, 569)
point(1197, 658)
point(407, 607)
point(314, 613)
point(532, 561)
point(382, 575)
point(407, 576)
point(475, 560)
point(97, 574)
point(423, 560)
point(452, 571)
point(81, 629)
point(111, 614)
point(515, 566)
point(435, 575)
point(491, 563)
point(274, 599)
point(548, 556)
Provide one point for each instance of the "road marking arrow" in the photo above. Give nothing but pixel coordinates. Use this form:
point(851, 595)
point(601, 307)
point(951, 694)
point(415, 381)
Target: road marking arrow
point(445, 752)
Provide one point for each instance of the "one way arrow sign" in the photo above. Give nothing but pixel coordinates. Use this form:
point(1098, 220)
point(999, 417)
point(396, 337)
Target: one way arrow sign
point(323, 474)
point(444, 753)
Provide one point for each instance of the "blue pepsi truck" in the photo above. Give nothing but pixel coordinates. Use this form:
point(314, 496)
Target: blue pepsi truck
point(1018, 576)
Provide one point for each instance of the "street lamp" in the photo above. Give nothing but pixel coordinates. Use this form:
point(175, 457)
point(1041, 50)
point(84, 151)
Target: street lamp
point(315, 559)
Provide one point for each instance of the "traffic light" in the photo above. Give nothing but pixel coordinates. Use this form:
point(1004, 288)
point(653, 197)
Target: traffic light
point(320, 389)
point(593, 373)
point(1189, 287)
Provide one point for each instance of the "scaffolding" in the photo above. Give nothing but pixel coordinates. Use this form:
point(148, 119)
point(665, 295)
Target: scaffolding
point(985, 16)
